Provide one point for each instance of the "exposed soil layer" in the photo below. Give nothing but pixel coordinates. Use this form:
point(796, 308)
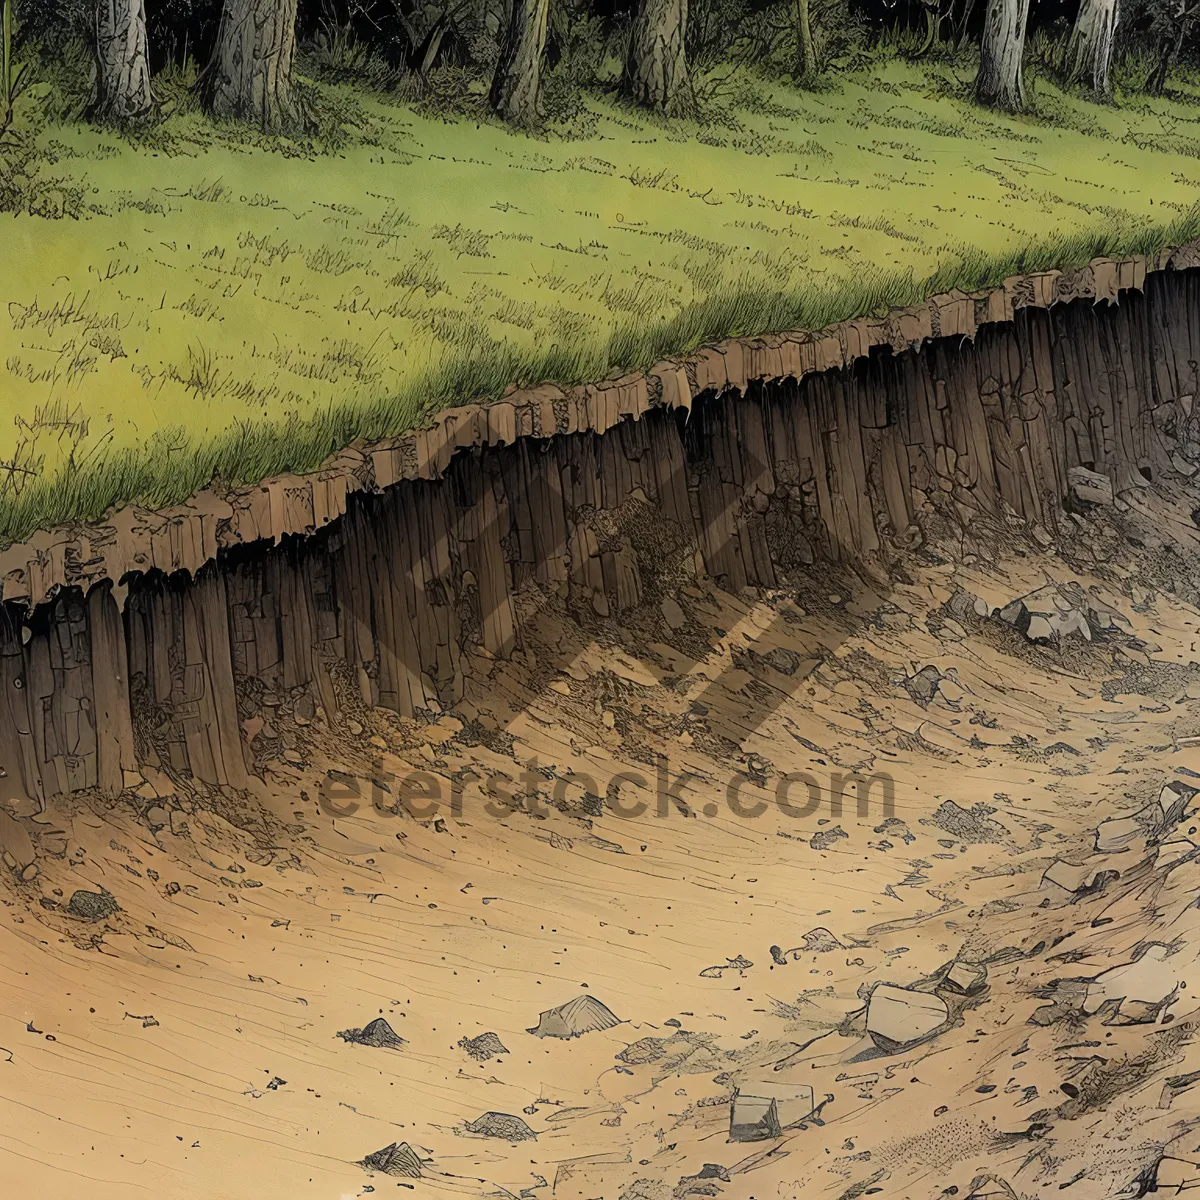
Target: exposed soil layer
point(204, 676)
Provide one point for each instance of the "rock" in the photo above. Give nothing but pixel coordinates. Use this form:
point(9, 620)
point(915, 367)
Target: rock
point(15, 843)
point(178, 822)
point(377, 1033)
point(964, 977)
point(1172, 805)
point(820, 941)
point(1072, 879)
point(1056, 612)
point(157, 817)
point(739, 964)
point(91, 906)
point(894, 827)
point(483, 1047)
point(1154, 819)
point(825, 838)
point(1148, 981)
point(789, 1103)
point(1107, 620)
point(672, 613)
point(1174, 851)
point(898, 1016)
point(397, 1159)
point(753, 1119)
point(652, 1049)
point(584, 1014)
point(1090, 487)
point(1120, 833)
point(501, 1125)
point(1046, 616)
point(923, 686)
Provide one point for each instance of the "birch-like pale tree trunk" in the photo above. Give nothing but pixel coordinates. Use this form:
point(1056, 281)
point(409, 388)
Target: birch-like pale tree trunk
point(656, 71)
point(806, 60)
point(122, 72)
point(1089, 52)
point(1001, 83)
point(250, 76)
point(516, 94)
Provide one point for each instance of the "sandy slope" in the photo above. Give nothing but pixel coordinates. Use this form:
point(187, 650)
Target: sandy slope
point(187, 1045)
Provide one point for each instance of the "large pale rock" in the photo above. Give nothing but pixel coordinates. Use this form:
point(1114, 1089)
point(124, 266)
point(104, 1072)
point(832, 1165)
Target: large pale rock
point(1148, 981)
point(901, 1016)
point(1090, 486)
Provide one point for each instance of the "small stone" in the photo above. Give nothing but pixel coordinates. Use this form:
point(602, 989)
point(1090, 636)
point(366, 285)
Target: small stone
point(91, 906)
point(501, 1125)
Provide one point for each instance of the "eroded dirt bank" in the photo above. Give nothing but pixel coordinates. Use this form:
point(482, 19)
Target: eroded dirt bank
point(801, 578)
point(205, 677)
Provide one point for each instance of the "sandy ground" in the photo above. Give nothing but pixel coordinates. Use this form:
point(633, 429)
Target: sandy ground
point(186, 1045)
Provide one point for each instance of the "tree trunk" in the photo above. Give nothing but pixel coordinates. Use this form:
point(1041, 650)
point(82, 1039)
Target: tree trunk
point(1170, 48)
point(1089, 52)
point(250, 76)
point(517, 85)
point(122, 72)
point(656, 72)
point(1000, 83)
point(806, 59)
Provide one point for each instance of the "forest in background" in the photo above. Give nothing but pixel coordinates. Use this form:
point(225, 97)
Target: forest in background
point(125, 62)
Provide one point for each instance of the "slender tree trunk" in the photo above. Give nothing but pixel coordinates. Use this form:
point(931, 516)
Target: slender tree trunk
point(963, 28)
point(656, 72)
point(1000, 83)
point(517, 85)
point(1089, 52)
point(806, 58)
point(1170, 48)
point(122, 73)
point(250, 76)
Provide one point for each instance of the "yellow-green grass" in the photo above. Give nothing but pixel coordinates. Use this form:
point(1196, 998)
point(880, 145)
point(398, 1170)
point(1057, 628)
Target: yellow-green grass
point(224, 309)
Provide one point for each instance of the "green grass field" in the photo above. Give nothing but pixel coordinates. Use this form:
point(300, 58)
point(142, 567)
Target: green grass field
point(223, 308)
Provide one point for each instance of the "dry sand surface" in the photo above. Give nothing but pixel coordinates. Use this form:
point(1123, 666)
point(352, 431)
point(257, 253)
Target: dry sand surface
point(179, 1036)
